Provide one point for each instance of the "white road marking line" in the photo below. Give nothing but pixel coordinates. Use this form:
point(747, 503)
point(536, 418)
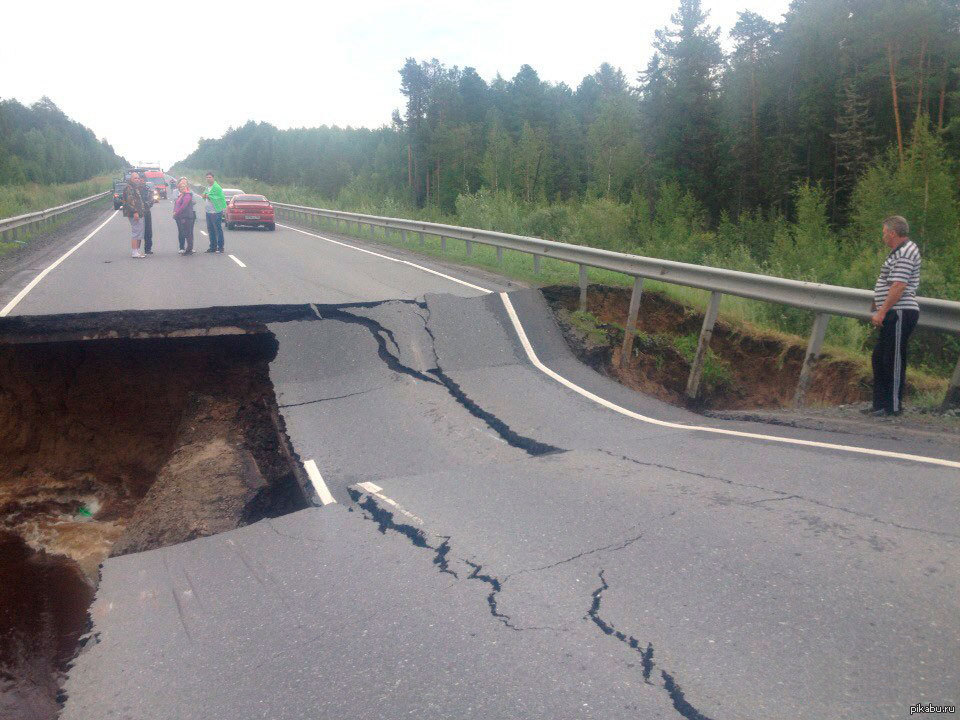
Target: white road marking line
point(532, 356)
point(203, 233)
point(236, 260)
point(33, 283)
point(372, 489)
point(391, 259)
point(323, 492)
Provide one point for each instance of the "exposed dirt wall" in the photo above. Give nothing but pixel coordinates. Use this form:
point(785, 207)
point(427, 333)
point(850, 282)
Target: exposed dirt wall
point(748, 369)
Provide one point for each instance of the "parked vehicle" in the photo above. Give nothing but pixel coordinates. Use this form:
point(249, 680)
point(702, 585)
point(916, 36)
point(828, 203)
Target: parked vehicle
point(254, 210)
point(159, 181)
point(118, 187)
point(231, 192)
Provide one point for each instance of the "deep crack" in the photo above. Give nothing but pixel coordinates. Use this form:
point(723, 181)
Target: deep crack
point(440, 559)
point(680, 703)
point(511, 437)
point(385, 337)
point(385, 521)
point(496, 586)
point(382, 335)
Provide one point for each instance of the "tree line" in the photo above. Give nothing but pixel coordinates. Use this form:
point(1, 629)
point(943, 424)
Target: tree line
point(813, 98)
point(40, 144)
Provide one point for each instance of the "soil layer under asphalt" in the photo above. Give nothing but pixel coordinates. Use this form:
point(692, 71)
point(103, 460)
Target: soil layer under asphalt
point(116, 446)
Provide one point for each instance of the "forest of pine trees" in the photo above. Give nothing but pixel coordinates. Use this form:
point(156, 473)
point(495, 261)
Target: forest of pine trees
point(40, 144)
point(813, 98)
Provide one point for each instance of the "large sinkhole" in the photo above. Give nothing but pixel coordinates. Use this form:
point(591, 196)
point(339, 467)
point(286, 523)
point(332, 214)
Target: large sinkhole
point(113, 446)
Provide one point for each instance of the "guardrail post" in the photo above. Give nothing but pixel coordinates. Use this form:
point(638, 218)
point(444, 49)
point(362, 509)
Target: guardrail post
point(536, 264)
point(706, 332)
point(499, 255)
point(810, 359)
point(373, 232)
point(421, 238)
point(631, 327)
point(403, 236)
point(952, 398)
point(443, 244)
point(583, 287)
point(469, 248)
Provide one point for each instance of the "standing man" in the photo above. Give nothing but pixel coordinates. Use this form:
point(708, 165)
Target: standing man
point(146, 192)
point(133, 209)
point(896, 312)
point(216, 203)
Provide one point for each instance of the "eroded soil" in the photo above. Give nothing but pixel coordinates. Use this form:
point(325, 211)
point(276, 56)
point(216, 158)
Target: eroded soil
point(752, 369)
point(116, 446)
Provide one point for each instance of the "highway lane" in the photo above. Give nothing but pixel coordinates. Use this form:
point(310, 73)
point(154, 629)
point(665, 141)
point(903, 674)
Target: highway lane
point(604, 567)
point(284, 266)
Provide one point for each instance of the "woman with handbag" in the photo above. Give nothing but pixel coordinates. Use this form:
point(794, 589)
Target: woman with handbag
point(185, 215)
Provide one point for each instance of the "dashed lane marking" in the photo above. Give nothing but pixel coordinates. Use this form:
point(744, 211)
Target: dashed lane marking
point(236, 260)
point(532, 356)
point(203, 233)
point(33, 283)
point(391, 259)
point(323, 492)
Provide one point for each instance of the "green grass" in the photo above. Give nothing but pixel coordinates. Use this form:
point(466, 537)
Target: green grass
point(588, 324)
point(22, 199)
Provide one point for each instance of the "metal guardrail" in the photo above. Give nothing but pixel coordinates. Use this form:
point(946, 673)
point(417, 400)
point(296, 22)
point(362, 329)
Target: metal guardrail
point(824, 300)
point(11, 227)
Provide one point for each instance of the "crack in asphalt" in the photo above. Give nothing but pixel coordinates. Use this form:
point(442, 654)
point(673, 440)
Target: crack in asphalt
point(612, 547)
point(775, 499)
point(785, 495)
point(440, 560)
point(436, 376)
point(325, 399)
point(496, 587)
point(382, 335)
point(511, 437)
point(385, 521)
point(680, 703)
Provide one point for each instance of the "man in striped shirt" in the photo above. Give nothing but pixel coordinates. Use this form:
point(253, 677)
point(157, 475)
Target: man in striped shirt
point(895, 313)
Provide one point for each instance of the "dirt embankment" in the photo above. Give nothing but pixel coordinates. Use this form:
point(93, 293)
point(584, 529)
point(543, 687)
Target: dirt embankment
point(745, 369)
point(115, 446)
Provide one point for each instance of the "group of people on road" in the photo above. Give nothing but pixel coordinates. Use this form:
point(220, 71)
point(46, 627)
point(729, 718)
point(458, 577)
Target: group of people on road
point(138, 201)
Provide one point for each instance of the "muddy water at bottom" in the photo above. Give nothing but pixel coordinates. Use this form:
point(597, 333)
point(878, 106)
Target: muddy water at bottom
point(43, 610)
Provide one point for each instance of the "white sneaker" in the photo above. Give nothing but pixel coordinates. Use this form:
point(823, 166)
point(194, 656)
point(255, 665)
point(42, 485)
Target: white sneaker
point(180, 252)
point(134, 254)
point(142, 255)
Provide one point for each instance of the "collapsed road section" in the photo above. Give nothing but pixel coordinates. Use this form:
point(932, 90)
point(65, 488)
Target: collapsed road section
point(121, 433)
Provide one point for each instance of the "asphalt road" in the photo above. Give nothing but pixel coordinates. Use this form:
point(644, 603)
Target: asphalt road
point(524, 551)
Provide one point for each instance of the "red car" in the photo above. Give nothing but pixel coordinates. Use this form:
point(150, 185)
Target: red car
point(249, 210)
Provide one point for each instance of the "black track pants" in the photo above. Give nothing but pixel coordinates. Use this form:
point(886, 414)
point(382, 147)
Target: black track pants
point(890, 359)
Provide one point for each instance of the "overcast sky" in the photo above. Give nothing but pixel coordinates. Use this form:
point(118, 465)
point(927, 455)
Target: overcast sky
point(153, 78)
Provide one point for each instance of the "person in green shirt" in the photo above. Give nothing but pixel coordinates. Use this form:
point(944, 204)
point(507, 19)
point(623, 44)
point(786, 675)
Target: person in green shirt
point(216, 204)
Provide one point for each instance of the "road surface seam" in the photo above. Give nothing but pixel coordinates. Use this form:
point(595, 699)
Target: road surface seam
point(801, 498)
point(532, 357)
